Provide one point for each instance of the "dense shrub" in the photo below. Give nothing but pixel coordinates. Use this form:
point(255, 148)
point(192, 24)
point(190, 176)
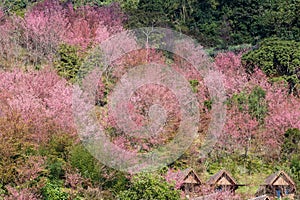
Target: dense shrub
point(87, 165)
point(277, 58)
point(54, 191)
point(149, 186)
point(254, 103)
point(68, 63)
point(291, 144)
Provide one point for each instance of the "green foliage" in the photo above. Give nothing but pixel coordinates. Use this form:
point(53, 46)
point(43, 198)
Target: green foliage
point(55, 167)
point(277, 58)
point(69, 62)
point(17, 6)
point(87, 165)
point(2, 191)
point(194, 84)
point(115, 181)
point(181, 162)
point(78, 3)
point(280, 19)
point(128, 4)
point(290, 153)
point(218, 22)
point(57, 150)
point(257, 104)
point(254, 164)
point(208, 104)
point(215, 23)
point(295, 168)
point(54, 191)
point(92, 59)
point(147, 13)
point(125, 4)
point(291, 144)
point(58, 146)
point(254, 102)
point(238, 164)
point(149, 186)
point(214, 51)
point(240, 100)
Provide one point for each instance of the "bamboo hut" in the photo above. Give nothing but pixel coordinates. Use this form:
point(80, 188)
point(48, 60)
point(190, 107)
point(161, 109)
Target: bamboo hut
point(223, 181)
point(189, 182)
point(278, 185)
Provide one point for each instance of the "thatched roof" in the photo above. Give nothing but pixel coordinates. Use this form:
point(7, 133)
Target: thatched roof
point(274, 178)
point(185, 176)
point(263, 197)
point(186, 173)
point(216, 179)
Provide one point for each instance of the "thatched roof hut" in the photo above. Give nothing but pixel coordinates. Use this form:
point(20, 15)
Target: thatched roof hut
point(186, 180)
point(223, 180)
point(278, 185)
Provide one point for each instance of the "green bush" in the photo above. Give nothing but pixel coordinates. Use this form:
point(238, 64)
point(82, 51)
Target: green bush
point(290, 153)
point(254, 102)
point(17, 6)
point(151, 187)
point(56, 168)
point(277, 58)
point(257, 105)
point(295, 168)
point(54, 191)
point(57, 151)
point(291, 144)
point(87, 165)
point(68, 63)
point(58, 146)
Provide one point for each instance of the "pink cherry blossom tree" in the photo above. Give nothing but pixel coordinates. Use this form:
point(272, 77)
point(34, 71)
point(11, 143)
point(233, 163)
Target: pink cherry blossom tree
point(41, 97)
point(282, 108)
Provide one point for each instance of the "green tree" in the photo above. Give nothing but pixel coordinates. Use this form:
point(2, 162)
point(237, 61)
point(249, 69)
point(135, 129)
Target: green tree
point(254, 103)
point(277, 58)
point(280, 19)
point(291, 144)
point(68, 63)
point(258, 106)
point(290, 152)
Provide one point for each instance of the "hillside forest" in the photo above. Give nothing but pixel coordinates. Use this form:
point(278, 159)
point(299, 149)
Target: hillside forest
point(255, 45)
